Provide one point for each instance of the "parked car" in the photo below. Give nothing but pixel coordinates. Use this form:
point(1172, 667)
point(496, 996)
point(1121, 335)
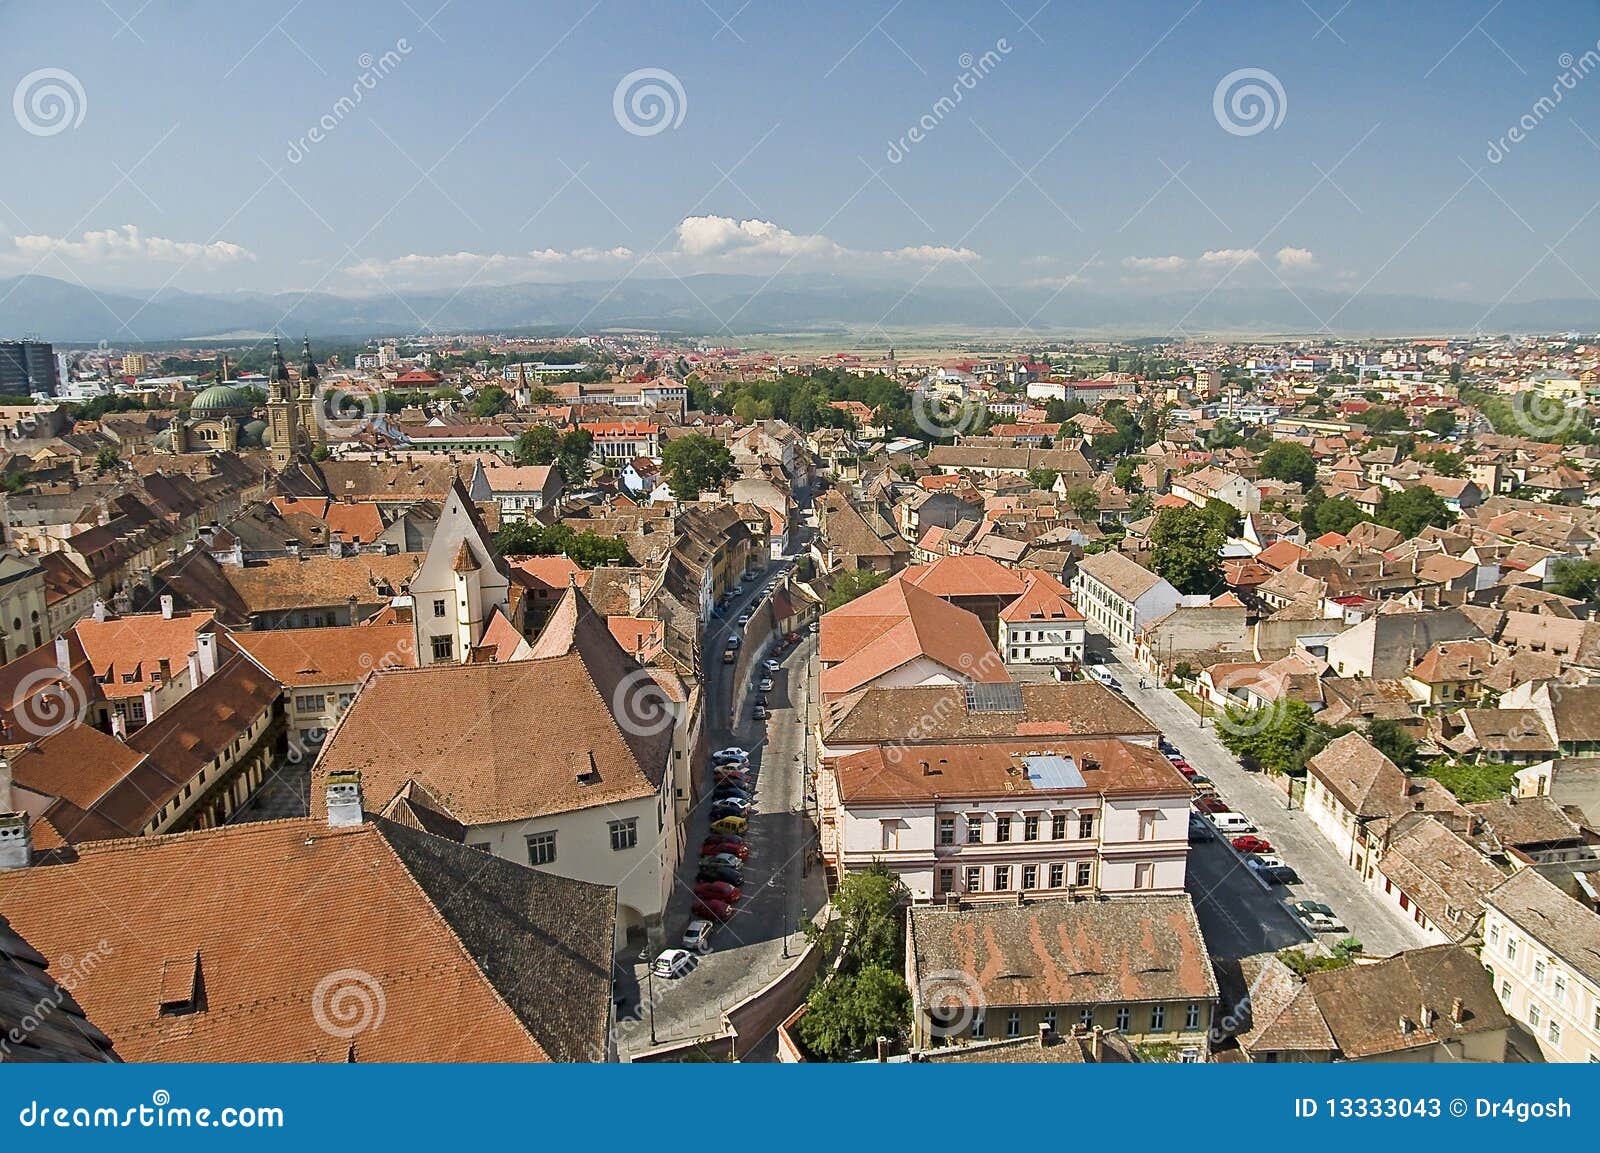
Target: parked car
point(1250, 843)
point(792, 638)
point(1202, 783)
point(1167, 746)
point(1230, 823)
point(1318, 917)
point(718, 891)
point(729, 825)
point(720, 873)
point(1210, 803)
point(764, 684)
point(730, 793)
point(761, 712)
point(1274, 869)
point(734, 846)
point(731, 753)
point(1183, 766)
point(724, 860)
point(744, 619)
point(713, 909)
point(735, 640)
point(697, 936)
point(673, 963)
point(722, 810)
point(1199, 829)
point(729, 655)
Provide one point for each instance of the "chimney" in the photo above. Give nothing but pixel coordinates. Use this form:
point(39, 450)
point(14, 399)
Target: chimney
point(1022, 898)
point(16, 839)
point(883, 1049)
point(344, 799)
point(206, 646)
point(1097, 1043)
point(1458, 1011)
point(1405, 1025)
point(952, 901)
point(1045, 1034)
point(355, 608)
point(99, 610)
point(63, 655)
point(149, 705)
point(5, 783)
point(1425, 1017)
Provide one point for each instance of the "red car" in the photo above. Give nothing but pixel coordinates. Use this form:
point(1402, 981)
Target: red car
point(712, 909)
point(711, 846)
point(792, 638)
point(1183, 766)
point(1250, 843)
point(730, 776)
point(1210, 804)
point(718, 891)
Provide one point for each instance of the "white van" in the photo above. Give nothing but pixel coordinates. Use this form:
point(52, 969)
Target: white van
point(1232, 823)
point(1096, 672)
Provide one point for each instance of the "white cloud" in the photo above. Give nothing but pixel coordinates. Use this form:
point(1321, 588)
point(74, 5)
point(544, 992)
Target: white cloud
point(128, 243)
point(1227, 256)
point(700, 243)
point(478, 267)
point(1155, 263)
point(1295, 259)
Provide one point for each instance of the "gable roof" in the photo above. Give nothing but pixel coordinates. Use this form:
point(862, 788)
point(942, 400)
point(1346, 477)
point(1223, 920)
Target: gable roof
point(450, 954)
point(1365, 1004)
point(896, 623)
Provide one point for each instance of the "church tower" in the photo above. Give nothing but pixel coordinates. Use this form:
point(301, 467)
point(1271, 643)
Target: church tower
point(311, 429)
point(283, 418)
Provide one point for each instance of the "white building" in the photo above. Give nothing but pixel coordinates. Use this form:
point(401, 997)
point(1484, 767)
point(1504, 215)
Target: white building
point(994, 819)
point(1119, 596)
point(1041, 626)
point(461, 584)
point(1542, 949)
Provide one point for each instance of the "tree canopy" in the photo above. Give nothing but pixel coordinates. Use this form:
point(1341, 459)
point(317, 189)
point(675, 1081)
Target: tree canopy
point(695, 464)
point(1290, 462)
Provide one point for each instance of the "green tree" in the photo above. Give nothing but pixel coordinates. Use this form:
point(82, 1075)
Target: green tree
point(695, 464)
point(1042, 478)
point(1340, 515)
point(490, 402)
point(1280, 736)
point(1391, 739)
point(1577, 579)
point(1441, 421)
point(106, 460)
point(1290, 462)
point(846, 1015)
point(537, 445)
point(573, 449)
point(1443, 462)
point(1186, 549)
point(1084, 501)
point(1126, 474)
point(850, 584)
point(869, 904)
point(1413, 510)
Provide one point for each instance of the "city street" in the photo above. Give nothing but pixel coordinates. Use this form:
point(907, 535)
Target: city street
point(781, 890)
point(1324, 875)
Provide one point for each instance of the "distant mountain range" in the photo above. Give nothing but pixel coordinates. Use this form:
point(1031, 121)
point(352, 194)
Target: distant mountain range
point(740, 305)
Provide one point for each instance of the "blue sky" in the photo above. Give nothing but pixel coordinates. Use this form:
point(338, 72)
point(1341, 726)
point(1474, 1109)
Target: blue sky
point(1088, 152)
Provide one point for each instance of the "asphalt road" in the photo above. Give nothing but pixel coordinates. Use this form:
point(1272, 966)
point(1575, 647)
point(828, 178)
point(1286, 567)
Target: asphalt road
point(780, 891)
point(1324, 875)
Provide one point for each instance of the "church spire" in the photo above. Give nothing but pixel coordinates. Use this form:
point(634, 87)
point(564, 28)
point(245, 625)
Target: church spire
point(280, 369)
point(308, 367)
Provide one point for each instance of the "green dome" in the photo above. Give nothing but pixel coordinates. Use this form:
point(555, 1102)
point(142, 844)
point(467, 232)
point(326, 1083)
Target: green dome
point(220, 399)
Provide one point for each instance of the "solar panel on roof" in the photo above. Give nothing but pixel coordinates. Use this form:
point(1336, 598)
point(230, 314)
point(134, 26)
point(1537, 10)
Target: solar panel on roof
point(1052, 772)
point(1000, 698)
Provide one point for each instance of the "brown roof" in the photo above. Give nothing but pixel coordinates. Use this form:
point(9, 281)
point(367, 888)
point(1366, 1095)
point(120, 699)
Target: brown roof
point(1123, 575)
point(1555, 920)
point(1067, 952)
point(1370, 785)
point(309, 658)
point(889, 773)
point(965, 576)
point(1282, 1015)
point(127, 652)
point(313, 581)
point(1443, 875)
point(1364, 1005)
point(39, 1020)
point(896, 623)
point(927, 713)
point(503, 742)
point(100, 787)
point(439, 951)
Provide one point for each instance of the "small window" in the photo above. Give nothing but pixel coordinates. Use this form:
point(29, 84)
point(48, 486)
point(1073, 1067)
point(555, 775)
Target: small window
point(1058, 827)
point(1124, 1016)
point(1014, 1023)
point(444, 648)
point(1086, 1015)
point(1533, 1014)
point(1555, 1031)
point(1030, 876)
point(1085, 872)
point(1002, 829)
point(974, 828)
point(1511, 948)
point(624, 834)
point(541, 848)
point(947, 830)
point(1158, 1018)
point(1191, 1016)
point(977, 1024)
point(975, 880)
point(1058, 875)
point(1086, 825)
point(1030, 827)
point(439, 607)
point(1002, 878)
point(947, 880)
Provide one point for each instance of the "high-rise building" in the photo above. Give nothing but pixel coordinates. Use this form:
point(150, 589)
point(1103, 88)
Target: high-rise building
point(27, 367)
point(135, 364)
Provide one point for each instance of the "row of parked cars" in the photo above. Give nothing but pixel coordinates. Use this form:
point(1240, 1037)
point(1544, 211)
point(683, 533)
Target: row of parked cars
point(1212, 817)
point(719, 881)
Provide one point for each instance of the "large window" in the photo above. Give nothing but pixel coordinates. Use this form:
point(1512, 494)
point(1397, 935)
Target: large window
point(974, 880)
point(541, 848)
point(1030, 876)
point(947, 830)
point(1058, 875)
point(1085, 872)
point(624, 834)
point(974, 828)
point(1030, 827)
point(1058, 827)
point(1002, 828)
point(444, 648)
point(1086, 825)
point(1002, 878)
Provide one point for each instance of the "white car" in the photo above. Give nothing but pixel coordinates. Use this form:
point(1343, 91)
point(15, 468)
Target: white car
point(734, 640)
point(764, 685)
point(744, 619)
point(1232, 823)
point(771, 665)
point(673, 963)
point(698, 936)
point(731, 753)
